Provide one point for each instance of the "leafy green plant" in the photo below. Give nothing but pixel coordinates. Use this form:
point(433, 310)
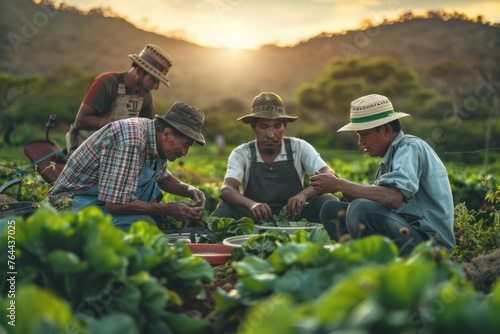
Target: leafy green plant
point(263, 245)
point(211, 191)
point(360, 286)
point(32, 188)
point(473, 236)
point(469, 186)
point(478, 231)
point(222, 228)
point(281, 220)
point(105, 274)
point(40, 309)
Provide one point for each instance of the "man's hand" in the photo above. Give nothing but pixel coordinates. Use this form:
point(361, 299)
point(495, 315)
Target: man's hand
point(325, 182)
point(182, 211)
point(197, 196)
point(295, 206)
point(261, 211)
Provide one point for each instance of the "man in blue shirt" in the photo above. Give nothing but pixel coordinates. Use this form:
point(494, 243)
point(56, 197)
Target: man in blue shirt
point(410, 200)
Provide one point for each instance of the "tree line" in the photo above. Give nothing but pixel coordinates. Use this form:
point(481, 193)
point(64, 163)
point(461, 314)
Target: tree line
point(459, 113)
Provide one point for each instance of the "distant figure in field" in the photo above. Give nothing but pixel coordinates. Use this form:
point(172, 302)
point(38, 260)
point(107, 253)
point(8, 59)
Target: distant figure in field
point(220, 143)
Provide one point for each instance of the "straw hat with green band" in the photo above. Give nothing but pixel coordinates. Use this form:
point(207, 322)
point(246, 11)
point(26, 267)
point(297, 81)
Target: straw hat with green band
point(370, 111)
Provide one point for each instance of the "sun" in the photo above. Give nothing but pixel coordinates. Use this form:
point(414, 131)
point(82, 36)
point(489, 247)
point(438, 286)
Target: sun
point(234, 41)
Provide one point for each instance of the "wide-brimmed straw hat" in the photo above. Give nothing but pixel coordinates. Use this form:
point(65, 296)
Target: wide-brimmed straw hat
point(154, 61)
point(370, 111)
point(187, 120)
point(267, 105)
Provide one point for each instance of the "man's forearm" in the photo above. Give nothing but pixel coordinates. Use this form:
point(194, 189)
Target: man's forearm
point(135, 207)
point(235, 197)
point(173, 185)
point(390, 197)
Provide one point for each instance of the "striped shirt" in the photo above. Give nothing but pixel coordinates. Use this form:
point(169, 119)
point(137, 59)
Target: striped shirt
point(111, 158)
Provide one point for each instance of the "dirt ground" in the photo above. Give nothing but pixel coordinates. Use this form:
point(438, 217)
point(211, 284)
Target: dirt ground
point(200, 309)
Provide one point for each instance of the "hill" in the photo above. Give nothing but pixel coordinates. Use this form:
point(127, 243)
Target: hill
point(36, 38)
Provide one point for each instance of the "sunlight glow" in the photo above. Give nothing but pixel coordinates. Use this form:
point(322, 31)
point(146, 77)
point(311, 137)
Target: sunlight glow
point(234, 41)
point(240, 24)
point(227, 38)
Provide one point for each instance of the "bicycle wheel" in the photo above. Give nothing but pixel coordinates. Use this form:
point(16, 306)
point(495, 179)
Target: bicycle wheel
point(13, 189)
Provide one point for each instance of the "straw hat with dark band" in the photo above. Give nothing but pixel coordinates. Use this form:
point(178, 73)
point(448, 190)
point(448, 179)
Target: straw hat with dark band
point(154, 61)
point(370, 111)
point(267, 105)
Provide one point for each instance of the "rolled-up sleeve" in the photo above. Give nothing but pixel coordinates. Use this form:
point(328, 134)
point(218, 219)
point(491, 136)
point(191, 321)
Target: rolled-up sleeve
point(405, 172)
point(236, 164)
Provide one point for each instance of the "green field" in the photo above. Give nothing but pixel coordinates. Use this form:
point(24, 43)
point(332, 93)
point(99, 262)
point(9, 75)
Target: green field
point(206, 162)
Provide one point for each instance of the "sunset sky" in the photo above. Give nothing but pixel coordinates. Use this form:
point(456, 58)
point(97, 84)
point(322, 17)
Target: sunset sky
point(251, 23)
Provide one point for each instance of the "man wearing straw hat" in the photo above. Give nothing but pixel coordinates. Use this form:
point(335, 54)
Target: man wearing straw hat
point(122, 169)
point(118, 95)
point(410, 200)
point(267, 174)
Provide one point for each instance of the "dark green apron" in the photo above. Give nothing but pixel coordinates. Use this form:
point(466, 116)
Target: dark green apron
point(273, 183)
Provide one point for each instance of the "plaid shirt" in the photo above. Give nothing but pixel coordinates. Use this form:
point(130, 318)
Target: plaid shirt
point(112, 157)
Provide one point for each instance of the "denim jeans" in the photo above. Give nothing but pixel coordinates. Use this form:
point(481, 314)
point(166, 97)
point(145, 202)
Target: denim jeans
point(147, 190)
point(362, 217)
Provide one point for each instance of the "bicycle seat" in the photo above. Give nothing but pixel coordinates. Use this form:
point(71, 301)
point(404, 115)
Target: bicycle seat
point(44, 152)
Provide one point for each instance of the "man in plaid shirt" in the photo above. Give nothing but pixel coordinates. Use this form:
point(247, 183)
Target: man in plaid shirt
point(122, 169)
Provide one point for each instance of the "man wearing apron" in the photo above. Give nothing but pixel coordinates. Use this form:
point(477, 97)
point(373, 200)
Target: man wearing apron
point(122, 169)
point(267, 174)
point(118, 95)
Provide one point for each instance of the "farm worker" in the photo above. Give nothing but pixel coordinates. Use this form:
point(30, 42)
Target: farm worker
point(410, 200)
point(118, 95)
point(267, 174)
point(122, 169)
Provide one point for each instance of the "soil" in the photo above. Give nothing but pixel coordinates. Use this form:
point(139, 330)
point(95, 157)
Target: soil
point(483, 271)
point(201, 308)
point(224, 279)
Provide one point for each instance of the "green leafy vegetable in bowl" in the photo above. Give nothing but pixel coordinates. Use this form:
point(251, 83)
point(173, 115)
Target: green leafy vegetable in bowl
point(281, 220)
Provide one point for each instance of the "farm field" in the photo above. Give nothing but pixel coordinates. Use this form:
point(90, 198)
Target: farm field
point(74, 272)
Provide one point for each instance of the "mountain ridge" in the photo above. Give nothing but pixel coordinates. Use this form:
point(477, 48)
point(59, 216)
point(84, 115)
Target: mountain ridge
point(204, 75)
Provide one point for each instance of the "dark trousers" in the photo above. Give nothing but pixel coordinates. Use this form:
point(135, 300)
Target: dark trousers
point(310, 212)
point(362, 217)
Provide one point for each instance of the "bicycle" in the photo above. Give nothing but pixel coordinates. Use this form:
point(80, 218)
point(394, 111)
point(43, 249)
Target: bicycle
point(47, 159)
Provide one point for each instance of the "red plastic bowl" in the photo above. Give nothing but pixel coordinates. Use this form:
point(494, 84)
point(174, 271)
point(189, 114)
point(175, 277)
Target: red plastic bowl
point(215, 254)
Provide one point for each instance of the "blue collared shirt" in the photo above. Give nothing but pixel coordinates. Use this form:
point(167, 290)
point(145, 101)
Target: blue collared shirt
point(413, 167)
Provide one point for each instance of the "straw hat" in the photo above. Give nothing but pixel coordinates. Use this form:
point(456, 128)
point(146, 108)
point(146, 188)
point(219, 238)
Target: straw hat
point(267, 105)
point(155, 61)
point(187, 120)
point(370, 111)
